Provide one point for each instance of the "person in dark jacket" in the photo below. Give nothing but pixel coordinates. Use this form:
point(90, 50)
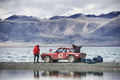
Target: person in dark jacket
point(36, 52)
point(76, 48)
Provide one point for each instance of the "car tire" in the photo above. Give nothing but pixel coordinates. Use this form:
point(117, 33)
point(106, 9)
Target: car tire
point(71, 59)
point(47, 59)
point(55, 61)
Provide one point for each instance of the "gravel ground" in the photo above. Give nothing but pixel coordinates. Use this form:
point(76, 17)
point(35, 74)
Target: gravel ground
point(97, 67)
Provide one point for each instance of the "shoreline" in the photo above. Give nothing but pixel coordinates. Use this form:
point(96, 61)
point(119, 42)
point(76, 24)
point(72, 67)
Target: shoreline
point(82, 67)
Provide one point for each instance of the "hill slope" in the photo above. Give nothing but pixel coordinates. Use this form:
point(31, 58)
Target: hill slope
point(81, 30)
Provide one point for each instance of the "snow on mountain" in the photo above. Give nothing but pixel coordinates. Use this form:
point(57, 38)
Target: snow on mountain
point(22, 18)
point(110, 26)
point(110, 15)
point(79, 15)
point(75, 29)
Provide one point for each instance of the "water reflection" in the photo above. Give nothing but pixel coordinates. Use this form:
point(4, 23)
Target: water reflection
point(70, 73)
point(36, 74)
point(95, 73)
point(56, 75)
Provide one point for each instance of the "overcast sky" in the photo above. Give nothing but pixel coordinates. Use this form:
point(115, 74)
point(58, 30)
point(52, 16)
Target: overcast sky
point(49, 8)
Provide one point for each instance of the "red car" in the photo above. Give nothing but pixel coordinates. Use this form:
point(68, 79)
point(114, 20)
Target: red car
point(62, 54)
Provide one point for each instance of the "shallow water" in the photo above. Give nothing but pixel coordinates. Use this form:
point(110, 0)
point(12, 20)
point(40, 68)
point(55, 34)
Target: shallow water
point(109, 54)
point(56, 75)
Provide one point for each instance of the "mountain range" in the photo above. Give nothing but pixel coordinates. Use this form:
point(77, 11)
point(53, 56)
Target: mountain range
point(78, 29)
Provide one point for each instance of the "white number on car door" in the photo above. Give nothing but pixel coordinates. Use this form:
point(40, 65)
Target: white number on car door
point(60, 56)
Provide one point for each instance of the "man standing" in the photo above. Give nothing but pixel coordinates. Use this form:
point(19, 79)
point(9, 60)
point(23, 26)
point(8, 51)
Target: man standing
point(36, 52)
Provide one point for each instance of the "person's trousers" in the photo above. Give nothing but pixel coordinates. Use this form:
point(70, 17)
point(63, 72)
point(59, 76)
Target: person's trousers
point(36, 55)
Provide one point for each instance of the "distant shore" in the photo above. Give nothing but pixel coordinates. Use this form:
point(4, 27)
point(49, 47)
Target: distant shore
point(97, 67)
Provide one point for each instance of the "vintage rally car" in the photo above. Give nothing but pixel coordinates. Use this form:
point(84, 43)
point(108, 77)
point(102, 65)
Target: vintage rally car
point(63, 53)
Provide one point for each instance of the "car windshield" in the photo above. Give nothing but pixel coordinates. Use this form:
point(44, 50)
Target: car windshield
point(71, 49)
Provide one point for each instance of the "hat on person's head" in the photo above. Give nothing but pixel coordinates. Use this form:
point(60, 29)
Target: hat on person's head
point(73, 45)
point(37, 45)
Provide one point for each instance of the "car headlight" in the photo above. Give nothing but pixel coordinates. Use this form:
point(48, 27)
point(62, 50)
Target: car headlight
point(76, 55)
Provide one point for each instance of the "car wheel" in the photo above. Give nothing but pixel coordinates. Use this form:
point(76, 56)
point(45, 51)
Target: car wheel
point(47, 59)
point(71, 59)
point(55, 61)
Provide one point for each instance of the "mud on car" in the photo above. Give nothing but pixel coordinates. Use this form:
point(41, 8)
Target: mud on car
point(63, 54)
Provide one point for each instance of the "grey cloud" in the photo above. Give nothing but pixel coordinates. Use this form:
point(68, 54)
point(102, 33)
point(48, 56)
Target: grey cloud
point(56, 7)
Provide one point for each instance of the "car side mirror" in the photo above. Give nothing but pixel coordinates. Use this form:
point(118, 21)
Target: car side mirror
point(50, 50)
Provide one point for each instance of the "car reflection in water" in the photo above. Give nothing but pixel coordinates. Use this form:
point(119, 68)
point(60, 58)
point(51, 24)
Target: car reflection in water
point(70, 74)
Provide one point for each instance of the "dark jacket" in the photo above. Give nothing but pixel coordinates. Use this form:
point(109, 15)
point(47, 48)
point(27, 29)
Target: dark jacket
point(77, 49)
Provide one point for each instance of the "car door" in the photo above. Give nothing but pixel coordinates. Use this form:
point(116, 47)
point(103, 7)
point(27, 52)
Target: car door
point(59, 54)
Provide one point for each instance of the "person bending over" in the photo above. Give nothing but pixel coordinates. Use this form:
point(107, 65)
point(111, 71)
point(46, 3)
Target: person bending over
point(76, 48)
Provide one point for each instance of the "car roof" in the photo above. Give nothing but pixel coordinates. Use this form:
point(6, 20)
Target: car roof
point(65, 47)
point(70, 49)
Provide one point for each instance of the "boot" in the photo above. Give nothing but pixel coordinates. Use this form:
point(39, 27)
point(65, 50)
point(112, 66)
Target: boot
point(37, 61)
